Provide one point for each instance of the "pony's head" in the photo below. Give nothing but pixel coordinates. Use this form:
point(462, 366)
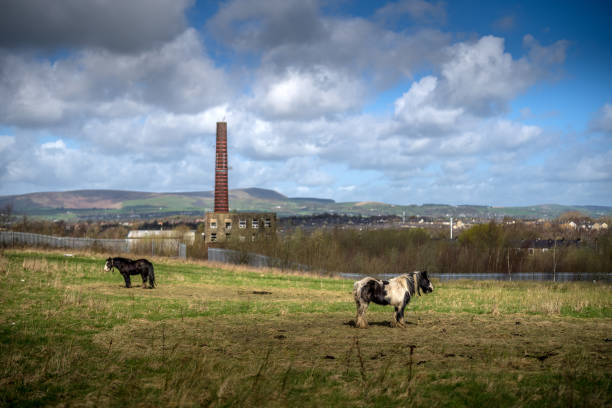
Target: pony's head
point(108, 266)
point(422, 282)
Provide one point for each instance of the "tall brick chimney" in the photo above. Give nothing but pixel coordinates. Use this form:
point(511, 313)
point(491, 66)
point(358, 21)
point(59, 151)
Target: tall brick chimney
point(221, 199)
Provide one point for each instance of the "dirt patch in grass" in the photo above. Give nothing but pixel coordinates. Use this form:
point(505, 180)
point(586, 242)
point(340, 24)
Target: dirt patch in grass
point(507, 342)
point(208, 292)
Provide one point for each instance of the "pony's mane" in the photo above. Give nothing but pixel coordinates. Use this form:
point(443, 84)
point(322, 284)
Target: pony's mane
point(119, 258)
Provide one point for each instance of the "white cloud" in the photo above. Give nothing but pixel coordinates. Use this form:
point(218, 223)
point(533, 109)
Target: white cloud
point(419, 108)
point(124, 25)
point(482, 77)
point(29, 92)
point(478, 80)
point(317, 92)
point(249, 25)
point(307, 171)
point(586, 166)
point(6, 142)
point(178, 76)
point(543, 56)
point(159, 134)
point(417, 9)
point(602, 120)
point(7, 150)
point(294, 34)
point(348, 189)
point(511, 135)
point(102, 84)
point(54, 165)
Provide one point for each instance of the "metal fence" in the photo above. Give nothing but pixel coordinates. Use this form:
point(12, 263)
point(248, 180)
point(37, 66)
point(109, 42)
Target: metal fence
point(12, 238)
point(151, 246)
point(261, 261)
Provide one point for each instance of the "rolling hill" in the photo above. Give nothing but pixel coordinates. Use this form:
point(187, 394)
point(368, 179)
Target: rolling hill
point(119, 204)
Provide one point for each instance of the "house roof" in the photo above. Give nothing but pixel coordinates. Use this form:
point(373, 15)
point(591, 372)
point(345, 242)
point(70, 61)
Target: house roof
point(549, 243)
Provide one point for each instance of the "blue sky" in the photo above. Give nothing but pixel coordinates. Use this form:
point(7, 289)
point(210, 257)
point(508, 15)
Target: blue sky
point(406, 102)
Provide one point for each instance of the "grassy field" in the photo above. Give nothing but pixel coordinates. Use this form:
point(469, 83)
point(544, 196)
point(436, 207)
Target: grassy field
point(71, 335)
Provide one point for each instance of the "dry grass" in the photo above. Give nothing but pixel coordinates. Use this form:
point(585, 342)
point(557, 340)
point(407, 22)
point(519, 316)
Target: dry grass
point(447, 350)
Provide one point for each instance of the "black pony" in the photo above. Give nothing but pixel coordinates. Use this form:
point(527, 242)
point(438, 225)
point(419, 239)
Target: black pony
point(129, 267)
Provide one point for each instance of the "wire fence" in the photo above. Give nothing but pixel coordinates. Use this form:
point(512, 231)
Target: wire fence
point(154, 246)
point(247, 258)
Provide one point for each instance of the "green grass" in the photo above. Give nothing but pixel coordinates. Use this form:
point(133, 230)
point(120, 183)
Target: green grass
point(164, 203)
point(70, 335)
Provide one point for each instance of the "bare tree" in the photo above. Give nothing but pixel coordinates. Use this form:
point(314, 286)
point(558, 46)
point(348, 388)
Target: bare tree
point(6, 214)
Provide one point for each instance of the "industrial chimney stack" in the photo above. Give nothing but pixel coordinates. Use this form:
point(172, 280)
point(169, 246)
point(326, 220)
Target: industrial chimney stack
point(218, 224)
point(221, 199)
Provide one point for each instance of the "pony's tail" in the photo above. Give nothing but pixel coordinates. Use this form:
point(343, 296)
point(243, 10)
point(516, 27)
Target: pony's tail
point(152, 278)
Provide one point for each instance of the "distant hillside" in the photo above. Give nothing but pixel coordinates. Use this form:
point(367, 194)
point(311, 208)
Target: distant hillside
point(263, 194)
point(312, 200)
point(125, 205)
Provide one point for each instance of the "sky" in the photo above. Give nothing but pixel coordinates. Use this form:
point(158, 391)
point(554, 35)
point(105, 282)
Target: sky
point(503, 103)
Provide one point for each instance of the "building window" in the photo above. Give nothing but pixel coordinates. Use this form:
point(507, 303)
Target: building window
point(242, 224)
point(267, 223)
point(213, 224)
point(228, 225)
point(213, 237)
point(255, 224)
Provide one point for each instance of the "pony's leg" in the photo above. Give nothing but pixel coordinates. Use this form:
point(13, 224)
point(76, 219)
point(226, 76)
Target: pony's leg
point(128, 282)
point(361, 321)
point(394, 322)
point(151, 274)
point(398, 317)
point(144, 280)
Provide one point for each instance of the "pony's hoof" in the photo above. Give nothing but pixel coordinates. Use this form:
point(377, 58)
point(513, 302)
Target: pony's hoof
point(361, 325)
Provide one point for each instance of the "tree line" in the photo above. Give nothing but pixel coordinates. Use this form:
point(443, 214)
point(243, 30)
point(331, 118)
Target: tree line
point(484, 248)
point(489, 247)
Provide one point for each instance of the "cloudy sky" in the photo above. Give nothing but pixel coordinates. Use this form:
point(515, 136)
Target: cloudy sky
point(407, 102)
